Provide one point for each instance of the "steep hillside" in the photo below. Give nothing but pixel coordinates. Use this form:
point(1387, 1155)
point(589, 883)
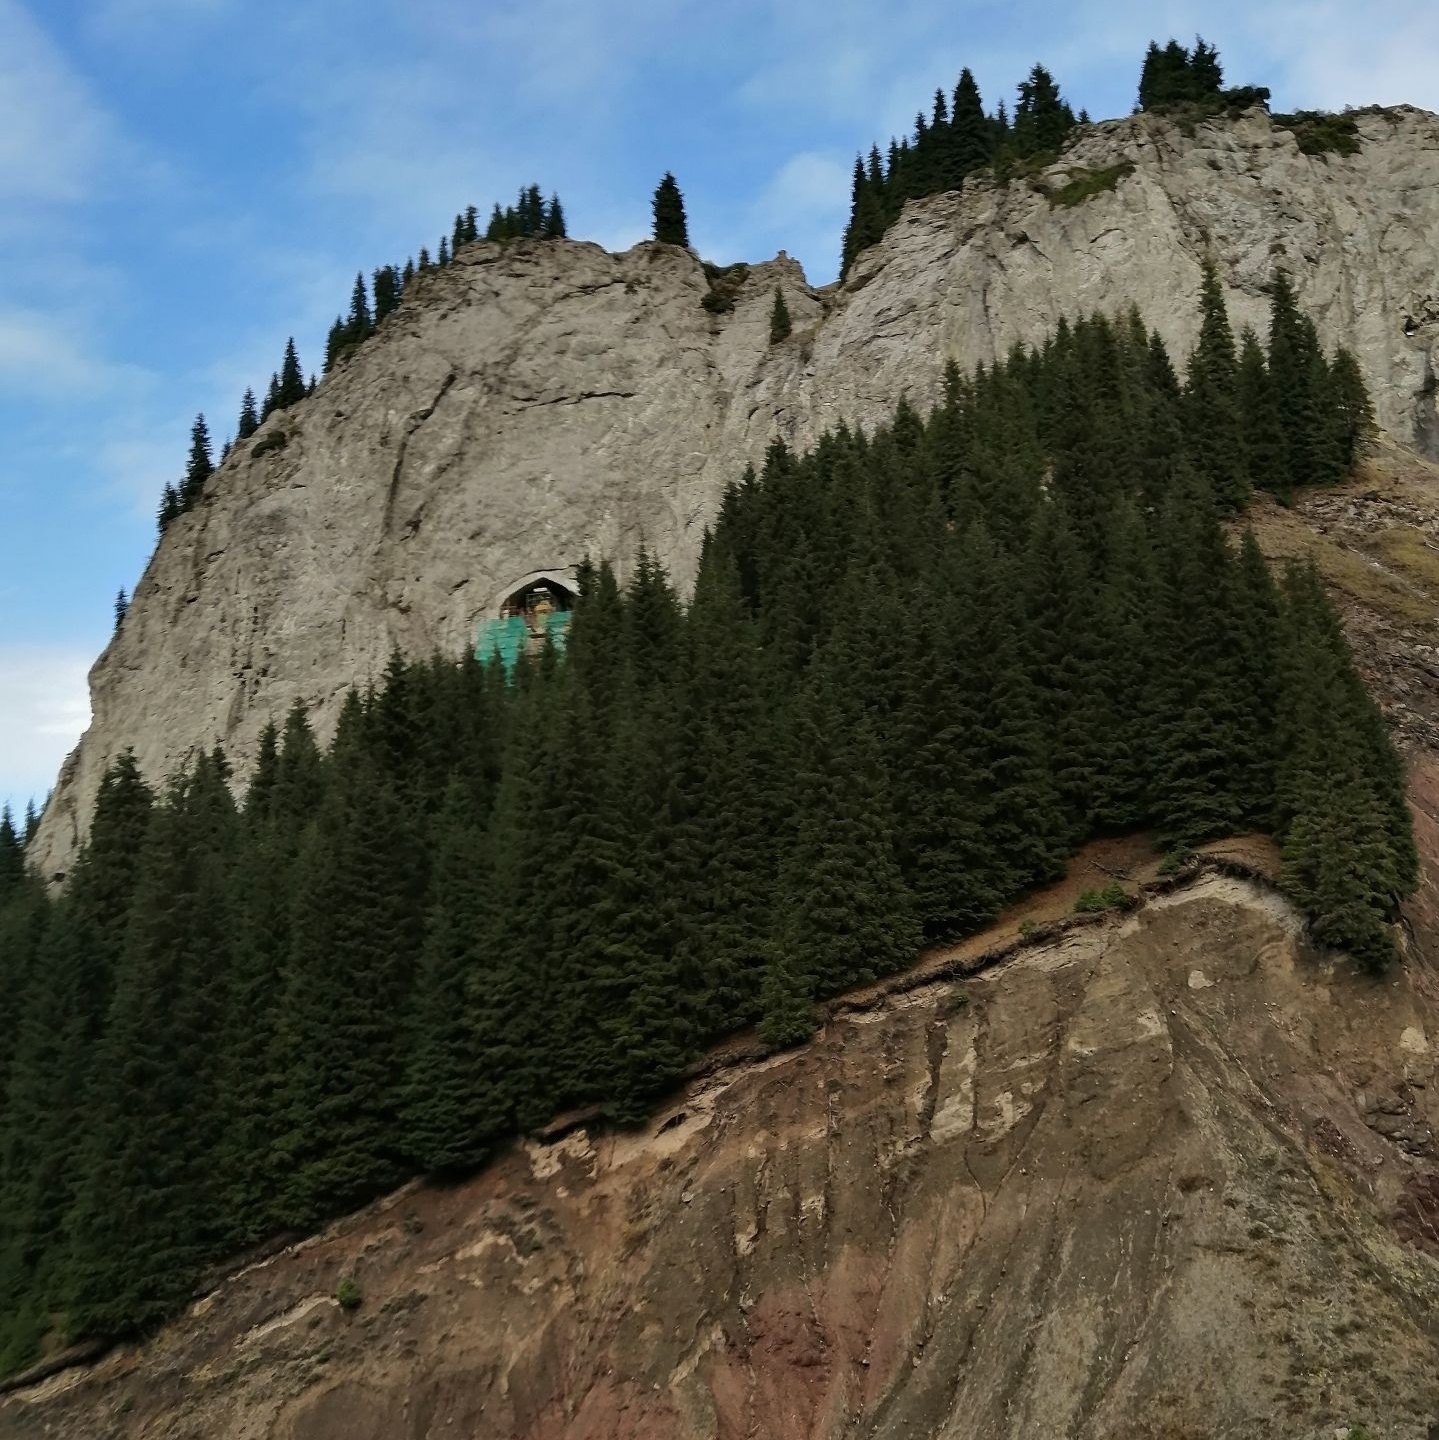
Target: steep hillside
point(1165, 1175)
point(532, 404)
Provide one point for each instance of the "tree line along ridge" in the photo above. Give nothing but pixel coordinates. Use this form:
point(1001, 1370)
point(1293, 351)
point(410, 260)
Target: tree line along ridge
point(956, 141)
point(919, 668)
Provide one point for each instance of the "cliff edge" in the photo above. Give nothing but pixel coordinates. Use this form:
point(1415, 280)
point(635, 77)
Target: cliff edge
point(538, 402)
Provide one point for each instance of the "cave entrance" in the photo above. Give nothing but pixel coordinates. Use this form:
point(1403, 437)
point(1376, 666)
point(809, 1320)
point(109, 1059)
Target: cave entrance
point(531, 613)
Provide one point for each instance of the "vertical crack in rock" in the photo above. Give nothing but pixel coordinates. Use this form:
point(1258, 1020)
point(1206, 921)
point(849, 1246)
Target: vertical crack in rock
point(412, 424)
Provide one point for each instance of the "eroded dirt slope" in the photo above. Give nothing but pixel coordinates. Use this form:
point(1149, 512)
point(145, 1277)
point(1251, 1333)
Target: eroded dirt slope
point(1167, 1175)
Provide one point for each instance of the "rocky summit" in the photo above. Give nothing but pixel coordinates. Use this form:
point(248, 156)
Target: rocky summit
point(536, 403)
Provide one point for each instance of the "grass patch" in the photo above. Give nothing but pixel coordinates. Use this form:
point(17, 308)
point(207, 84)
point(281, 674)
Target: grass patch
point(1094, 902)
point(348, 1294)
point(275, 440)
point(1088, 183)
point(1319, 132)
point(725, 284)
point(1396, 575)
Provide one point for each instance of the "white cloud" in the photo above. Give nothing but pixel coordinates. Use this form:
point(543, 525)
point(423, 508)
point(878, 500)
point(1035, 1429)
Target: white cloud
point(809, 187)
point(138, 467)
point(54, 139)
point(50, 354)
point(1339, 55)
point(44, 707)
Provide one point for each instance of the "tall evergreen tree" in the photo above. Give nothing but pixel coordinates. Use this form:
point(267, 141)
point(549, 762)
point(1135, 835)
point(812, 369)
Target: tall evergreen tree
point(671, 227)
point(291, 387)
point(1265, 446)
point(355, 932)
point(971, 140)
point(249, 420)
point(1211, 398)
point(779, 321)
point(360, 323)
point(144, 1216)
point(199, 467)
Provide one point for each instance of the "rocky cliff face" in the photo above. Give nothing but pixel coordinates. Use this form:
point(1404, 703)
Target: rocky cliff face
point(531, 405)
point(1171, 1175)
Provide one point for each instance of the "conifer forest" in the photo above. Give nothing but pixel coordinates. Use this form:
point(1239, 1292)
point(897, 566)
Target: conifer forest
point(920, 666)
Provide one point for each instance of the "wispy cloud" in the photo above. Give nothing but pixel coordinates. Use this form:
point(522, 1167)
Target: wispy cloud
point(55, 138)
point(50, 354)
point(46, 705)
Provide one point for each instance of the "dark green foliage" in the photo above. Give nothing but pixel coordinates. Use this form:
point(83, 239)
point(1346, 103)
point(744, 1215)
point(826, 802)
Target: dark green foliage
point(199, 467)
point(1094, 902)
point(291, 389)
point(122, 604)
point(1175, 76)
point(671, 227)
point(1089, 183)
point(779, 321)
point(249, 420)
point(1188, 83)
point(1266, 451)
point(951, 144)
point(1320, 132)
point(169, 507)
point(1211, 400)
point(920, 666)
point(1314, 429)
point(1042, 118)
point(387, 283)
point(143, 1222)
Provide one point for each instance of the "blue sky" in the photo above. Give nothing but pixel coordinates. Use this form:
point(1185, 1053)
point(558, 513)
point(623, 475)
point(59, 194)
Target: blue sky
point(184, 183)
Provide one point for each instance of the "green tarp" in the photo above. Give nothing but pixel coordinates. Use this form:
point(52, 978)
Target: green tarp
point(508, 638)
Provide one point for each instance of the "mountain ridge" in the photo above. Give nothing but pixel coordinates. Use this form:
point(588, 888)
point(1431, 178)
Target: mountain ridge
point(533, 404)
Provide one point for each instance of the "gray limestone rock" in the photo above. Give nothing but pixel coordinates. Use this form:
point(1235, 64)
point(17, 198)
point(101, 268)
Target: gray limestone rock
point(538, 402)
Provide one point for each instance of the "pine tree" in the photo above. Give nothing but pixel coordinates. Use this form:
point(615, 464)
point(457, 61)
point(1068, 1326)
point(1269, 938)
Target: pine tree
point(169, 508)
point(1211, 400)
point(1265, 448)
point(671, 227)
point(779, 321)
point(122, 604)
point(842, 912)
point(971, 134)
point(386, 282)
point(199, 467)
point(355, 934)
point(249, 420)
point(445, 1119)
point(1351, 405)
point(291, 387)
point(554, 220)
point(1041, 118)
point(360, 325)
point(143, 1221)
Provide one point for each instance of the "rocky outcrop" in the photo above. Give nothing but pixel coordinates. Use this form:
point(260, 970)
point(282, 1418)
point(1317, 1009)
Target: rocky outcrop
point(1169, 1175)
point(532, 404)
